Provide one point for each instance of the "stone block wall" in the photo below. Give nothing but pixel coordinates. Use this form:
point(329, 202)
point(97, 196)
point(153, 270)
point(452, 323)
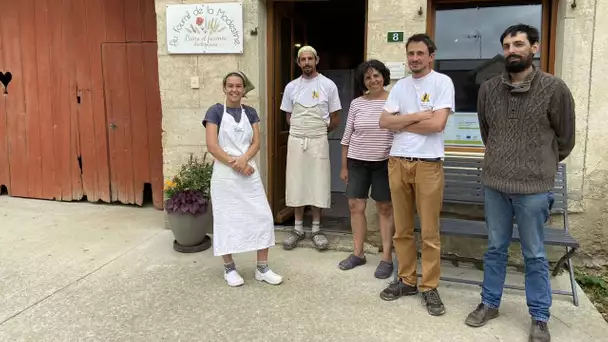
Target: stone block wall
point(184, 107)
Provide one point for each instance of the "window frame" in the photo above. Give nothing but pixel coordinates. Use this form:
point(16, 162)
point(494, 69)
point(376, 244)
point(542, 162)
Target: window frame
point(548, 31)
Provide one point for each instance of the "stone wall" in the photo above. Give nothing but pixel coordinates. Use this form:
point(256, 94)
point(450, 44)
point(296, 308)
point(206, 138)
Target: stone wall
point(583, 47)
point(184, 107)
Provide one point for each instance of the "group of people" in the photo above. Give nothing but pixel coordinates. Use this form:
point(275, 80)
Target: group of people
point(393, 150)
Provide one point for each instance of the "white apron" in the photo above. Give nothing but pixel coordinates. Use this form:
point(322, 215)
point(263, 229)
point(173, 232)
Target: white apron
point(308, 177)
point(242, 219)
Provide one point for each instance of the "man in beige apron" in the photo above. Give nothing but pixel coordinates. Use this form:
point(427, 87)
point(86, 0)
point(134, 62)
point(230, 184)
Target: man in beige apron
point(312, 105)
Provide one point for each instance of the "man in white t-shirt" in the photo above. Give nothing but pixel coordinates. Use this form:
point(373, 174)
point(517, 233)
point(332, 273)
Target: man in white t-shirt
point(312, 105)
point(417, 109)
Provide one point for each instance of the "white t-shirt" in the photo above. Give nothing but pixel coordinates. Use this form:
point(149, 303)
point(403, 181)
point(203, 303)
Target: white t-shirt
point(309, 92)
point(410, 95)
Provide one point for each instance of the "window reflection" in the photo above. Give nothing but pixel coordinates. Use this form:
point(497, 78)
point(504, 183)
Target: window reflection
point(468, 45)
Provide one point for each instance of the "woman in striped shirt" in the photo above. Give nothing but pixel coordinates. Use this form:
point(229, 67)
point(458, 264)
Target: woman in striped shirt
point(365, 150)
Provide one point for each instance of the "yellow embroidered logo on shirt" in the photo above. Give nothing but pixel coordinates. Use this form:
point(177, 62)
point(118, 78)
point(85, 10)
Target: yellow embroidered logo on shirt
point(315, 94)
point(426, 97)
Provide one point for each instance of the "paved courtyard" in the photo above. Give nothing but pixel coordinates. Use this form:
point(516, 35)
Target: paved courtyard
point(86, 272)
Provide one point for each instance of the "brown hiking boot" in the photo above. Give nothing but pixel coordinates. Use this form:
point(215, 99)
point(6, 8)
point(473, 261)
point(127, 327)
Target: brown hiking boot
point(539, 332)
point(481, 315)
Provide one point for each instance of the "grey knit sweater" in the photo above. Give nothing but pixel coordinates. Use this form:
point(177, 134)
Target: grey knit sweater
point(527, 129)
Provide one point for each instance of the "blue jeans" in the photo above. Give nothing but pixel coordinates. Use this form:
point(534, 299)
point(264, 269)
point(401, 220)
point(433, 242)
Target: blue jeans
point(531, 212)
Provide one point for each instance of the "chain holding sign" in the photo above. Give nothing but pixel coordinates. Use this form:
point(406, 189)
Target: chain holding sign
point(210, 28)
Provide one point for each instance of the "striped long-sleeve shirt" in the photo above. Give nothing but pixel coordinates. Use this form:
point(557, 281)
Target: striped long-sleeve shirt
point(363, 135)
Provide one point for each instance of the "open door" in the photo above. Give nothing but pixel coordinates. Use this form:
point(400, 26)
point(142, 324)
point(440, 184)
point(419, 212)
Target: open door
point(287, 34)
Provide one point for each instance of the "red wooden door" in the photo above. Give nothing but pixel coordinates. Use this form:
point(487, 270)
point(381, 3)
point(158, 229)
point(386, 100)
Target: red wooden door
point(54, 137)
point(40, 122)
point(88, 21)
point(133, 119)
point(4, 168)
point(14, 101)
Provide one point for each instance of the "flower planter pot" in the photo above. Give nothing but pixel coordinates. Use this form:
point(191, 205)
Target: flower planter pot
point(190, 231)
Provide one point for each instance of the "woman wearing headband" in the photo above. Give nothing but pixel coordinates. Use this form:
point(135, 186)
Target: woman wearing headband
point(242, 219)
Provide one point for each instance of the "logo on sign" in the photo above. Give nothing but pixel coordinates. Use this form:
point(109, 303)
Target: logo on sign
point(205, 27)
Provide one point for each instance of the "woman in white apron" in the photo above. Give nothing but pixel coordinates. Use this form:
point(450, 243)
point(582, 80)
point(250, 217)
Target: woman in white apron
point(242, 219)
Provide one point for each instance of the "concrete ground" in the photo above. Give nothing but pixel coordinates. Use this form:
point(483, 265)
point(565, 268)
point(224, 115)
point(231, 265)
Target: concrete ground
point(86, 272)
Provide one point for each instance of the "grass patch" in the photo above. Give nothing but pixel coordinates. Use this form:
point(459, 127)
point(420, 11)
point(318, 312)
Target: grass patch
point(595, 285)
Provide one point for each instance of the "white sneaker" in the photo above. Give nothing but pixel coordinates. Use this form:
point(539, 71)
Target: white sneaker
point(269, 277)
point(233, 278)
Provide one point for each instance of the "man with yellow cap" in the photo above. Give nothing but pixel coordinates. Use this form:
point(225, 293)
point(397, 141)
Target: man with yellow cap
point(312, 105)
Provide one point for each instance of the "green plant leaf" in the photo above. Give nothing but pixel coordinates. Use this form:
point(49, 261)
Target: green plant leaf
point(194, 175)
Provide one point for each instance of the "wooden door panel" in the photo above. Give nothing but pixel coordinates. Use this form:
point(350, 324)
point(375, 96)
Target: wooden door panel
point(133, 103)
point(134, 24)
point(53, 128)
point(83, 105)
point(32, 118)
point(288, 31)
point(282, 212)
point(4, 167)
point(63, 77)
point(154, 122)
point(15, 99)
point(45, 91)
point(134, 111)
point(137, 98)
point(115, 20)
point(116, 85)
point(96, 29)
point(283, 72)
point(71, 49)
point(39, 116)
point(148, 11)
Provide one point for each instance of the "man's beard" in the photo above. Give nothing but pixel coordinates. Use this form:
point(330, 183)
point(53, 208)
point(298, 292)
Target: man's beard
point(515, 66)
point(307, 71)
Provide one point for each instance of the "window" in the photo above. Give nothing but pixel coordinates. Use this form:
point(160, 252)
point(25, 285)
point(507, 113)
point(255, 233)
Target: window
point(467, 34)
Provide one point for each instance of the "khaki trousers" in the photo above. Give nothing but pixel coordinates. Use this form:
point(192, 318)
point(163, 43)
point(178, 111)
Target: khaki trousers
point(420, 183)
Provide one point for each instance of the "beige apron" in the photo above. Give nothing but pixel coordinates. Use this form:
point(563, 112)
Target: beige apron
point(308, 174)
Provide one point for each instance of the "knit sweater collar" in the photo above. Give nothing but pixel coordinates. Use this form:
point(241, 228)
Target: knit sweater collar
point(522, 87)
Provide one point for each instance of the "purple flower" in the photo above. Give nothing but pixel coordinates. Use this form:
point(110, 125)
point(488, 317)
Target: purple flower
point(188, 201)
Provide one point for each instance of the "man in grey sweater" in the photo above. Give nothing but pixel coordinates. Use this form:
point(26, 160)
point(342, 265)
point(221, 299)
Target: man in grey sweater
point(526, 119)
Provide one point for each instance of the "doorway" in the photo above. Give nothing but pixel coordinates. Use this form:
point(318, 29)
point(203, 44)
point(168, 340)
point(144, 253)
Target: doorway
point(337, 30)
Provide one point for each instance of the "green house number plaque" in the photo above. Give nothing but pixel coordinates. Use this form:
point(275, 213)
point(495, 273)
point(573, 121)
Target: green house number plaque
point(394, 37)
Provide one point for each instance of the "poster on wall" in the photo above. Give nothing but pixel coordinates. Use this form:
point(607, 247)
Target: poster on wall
point(210, 28)
point(462, 129)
